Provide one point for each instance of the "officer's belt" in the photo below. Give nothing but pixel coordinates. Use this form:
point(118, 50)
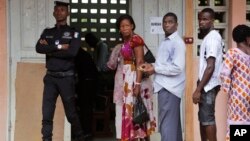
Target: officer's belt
point(61, 73)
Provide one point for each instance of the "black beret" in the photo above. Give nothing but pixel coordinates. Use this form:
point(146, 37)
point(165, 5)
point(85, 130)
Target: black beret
point(60, 3)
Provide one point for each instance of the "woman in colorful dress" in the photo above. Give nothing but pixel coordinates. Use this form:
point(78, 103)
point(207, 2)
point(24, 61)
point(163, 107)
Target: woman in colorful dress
point(132, 52)
point(235, 76)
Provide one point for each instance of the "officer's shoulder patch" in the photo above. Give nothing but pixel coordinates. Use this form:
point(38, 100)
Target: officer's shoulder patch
point(48, 29)
point(76, 34)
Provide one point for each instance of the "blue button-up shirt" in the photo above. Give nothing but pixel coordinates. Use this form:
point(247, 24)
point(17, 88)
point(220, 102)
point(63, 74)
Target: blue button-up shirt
point(170, 65)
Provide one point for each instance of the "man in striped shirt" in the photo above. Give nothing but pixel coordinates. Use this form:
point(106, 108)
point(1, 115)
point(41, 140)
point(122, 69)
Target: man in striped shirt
point(209, 68)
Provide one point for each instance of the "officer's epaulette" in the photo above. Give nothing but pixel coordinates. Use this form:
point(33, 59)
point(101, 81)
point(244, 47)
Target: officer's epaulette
point(49, 28)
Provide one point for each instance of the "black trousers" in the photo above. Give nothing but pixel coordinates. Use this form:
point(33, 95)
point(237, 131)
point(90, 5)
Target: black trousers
point(53, 87)
point(86, 92)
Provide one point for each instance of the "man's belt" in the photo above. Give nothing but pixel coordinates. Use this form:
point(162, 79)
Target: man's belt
point(61, 73)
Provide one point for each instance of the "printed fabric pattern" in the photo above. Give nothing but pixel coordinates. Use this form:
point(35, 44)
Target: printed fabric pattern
point(235, 76)
point(129, 130)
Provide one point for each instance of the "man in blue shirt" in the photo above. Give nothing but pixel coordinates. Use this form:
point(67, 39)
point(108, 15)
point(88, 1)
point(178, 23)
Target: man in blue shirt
point(169, 79)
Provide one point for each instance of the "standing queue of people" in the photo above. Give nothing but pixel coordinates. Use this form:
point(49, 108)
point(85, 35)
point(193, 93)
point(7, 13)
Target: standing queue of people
point(231, 76)
point(61, 45)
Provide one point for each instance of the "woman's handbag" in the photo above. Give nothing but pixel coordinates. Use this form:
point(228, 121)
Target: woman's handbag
point(140, 114)
point(149, 57)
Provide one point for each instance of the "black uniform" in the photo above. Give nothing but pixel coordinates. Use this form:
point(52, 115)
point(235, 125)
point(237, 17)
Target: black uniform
point(59, 79)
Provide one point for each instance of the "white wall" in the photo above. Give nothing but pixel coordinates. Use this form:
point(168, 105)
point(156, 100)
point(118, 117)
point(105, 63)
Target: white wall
point(28, 18)
point(142, 10)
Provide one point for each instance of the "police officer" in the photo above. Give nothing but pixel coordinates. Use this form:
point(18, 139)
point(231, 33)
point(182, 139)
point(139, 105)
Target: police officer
point(60, 44)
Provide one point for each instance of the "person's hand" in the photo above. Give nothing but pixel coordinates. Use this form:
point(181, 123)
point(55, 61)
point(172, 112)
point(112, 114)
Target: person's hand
point(43, 42)
point(147, 68)
point(65, 46)
point(196, 97)
point(136, 90)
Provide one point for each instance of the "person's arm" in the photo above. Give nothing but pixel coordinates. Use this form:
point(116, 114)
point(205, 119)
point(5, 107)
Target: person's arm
point(103, 56)
point(206, 77)
point(113, 59)
point(139, 60)
point(177, 65)
point(213, 47)
point(69, 50)
point(42, 45)
point(207, 73)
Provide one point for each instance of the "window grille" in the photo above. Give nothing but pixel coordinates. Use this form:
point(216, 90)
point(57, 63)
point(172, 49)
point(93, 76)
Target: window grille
point(220, 8)
point(99, 17)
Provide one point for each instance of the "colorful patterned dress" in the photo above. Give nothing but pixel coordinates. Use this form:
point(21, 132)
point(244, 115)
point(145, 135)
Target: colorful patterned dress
point(129, 130)
point(235, 76)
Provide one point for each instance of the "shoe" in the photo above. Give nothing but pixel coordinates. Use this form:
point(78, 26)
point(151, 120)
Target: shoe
point(88, 137)
point(81, 138)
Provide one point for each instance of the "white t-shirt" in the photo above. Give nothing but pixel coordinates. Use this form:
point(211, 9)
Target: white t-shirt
point(211, 46)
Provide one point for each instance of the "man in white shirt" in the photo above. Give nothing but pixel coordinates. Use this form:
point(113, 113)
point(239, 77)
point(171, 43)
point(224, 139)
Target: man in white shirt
point(169, 79)
point(209, 68)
